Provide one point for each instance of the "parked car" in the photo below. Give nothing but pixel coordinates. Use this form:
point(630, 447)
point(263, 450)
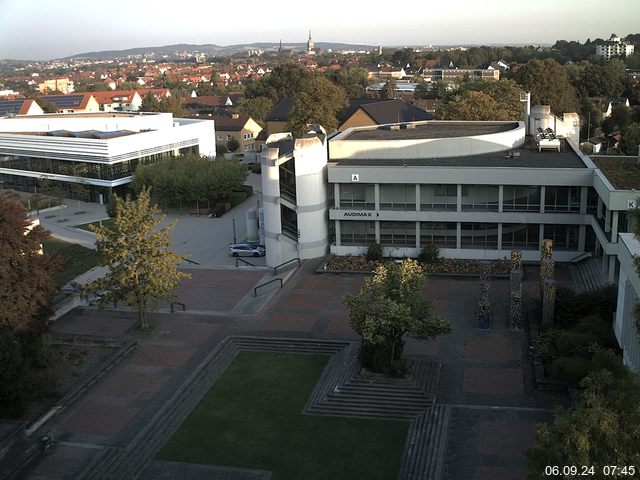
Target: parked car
point(245, 250)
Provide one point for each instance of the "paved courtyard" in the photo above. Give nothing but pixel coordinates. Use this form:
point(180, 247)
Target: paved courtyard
point(485, 376)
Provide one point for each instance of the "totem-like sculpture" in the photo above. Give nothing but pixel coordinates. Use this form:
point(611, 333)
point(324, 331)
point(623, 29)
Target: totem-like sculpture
point(484, 305)
point(547, 283)
point(515, 306)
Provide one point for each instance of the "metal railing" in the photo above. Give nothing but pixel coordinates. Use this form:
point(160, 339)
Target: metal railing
point(255, 290)
point(243, 261)
point(580, 257)
point(173, 310)
point(275, 269)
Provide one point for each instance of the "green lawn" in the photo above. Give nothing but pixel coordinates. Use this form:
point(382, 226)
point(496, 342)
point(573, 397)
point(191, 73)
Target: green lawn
point(77, 259)
point(252, 418)
point(86, 226)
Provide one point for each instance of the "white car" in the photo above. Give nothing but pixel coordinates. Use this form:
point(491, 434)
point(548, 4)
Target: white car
point(245, 250)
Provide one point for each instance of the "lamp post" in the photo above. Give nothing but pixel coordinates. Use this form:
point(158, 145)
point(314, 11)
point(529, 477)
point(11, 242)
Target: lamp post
point(234, 230)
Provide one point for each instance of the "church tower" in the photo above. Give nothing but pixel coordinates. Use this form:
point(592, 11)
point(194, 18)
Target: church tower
point(310, 44)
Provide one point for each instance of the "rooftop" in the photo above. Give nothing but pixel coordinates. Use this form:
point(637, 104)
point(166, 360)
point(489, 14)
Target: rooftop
point(518, 158)
point(622, 172)
point(429, 130)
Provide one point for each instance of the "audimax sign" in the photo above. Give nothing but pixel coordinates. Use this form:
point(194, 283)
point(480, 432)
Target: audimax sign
point(361, 214)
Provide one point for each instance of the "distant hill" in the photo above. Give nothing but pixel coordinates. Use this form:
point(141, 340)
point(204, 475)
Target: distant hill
point(210, 49)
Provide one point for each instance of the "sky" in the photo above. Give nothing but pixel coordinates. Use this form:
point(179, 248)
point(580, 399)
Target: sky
point(44, 30)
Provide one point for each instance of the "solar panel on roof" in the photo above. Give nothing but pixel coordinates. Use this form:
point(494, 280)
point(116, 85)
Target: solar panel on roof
point(10, 107)
point(66, 101)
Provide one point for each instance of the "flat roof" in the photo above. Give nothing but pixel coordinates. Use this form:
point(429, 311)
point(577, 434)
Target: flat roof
point(622, 172)
point(429, 129)
point(527, 158)
point(84, 115)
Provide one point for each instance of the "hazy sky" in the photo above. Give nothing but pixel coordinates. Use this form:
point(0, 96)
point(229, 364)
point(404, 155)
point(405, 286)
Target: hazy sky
point(44, 29)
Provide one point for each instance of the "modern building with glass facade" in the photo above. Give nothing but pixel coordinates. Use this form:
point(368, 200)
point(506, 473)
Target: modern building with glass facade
point(473, 189)
point(98, 150)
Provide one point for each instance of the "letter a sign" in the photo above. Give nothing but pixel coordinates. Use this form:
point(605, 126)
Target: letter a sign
point(355, 177)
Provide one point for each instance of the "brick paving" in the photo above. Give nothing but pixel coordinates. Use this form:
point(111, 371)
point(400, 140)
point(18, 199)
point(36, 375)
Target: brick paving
point(484, 376)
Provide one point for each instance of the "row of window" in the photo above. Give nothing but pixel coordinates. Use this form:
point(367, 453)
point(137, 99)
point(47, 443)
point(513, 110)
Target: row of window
point(472, 235)
point(473, 197)
point(100, 171)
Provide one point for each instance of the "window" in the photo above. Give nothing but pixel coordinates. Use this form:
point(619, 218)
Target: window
point(438, 234)
point(357, 196)
point(480, 197)
point(248, 136)
point(398, 234)
point(479, 235)
point(221, 138)
point(564, 237)
point(520, 236)
point(562, 199)
point(398, 196)
point(357, 233)
point(438, 197)
point(520, 199)
point(229, 137)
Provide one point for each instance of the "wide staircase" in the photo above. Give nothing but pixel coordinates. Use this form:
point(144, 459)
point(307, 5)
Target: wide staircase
point(587, 275)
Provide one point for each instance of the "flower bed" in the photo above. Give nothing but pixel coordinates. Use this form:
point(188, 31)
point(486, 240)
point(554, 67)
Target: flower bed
point(450, 266)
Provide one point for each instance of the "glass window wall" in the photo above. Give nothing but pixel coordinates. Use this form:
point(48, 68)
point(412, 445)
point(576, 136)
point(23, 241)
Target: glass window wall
point(357, 233)
point(439, 234)
point(564, 237)
point(357, 196)
point(516, 198)
point(520, 236)
point(438, 197)
point(398, 196)
point(480, 235)
point(398, 234)
point(480, 197)
point(562, 199)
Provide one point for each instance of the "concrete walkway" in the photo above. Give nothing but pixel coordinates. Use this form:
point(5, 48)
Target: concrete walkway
point(485, 383)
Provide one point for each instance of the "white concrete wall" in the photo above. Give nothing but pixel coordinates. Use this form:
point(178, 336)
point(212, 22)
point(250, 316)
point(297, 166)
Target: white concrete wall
point(628, 296)
point(341, 147)
point(310, 155)
point(163, 130)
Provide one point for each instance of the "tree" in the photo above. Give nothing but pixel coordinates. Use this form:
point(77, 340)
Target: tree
point(354, 80)
point(285, 80)
point(232, 144)
point(389, 306)
point(27, 279)
point(150, 103)
point(257, 108)
point(46, 105)
point(618, 120)
point(172, 104)
point(549, 84)
point(631, 139)
point(142, 267)
point(389, 89)
point(318, 103)
point(602, 429)
point(477, 99)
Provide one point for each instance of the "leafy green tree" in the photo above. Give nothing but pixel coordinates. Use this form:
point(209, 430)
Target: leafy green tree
point(424, 90)
point(354, 80)
point(318, 103)
point(142, 267)
point(27, 279)
point(389, 90)
point(477, 99)
point(46, 105)
point(257, 108)
point(172, 104)
point(390, 305)
point(631, 139)
point(233, 145)
point(602, 429)
point(285, 80)
point(618, 120)
point(549, 84)
point(150, 103)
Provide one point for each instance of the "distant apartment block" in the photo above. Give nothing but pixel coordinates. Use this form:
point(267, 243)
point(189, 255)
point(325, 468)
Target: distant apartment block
point(62, 85)
point(614, 47)
point(450, 74)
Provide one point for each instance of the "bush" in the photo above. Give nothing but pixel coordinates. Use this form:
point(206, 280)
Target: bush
point(111, 206)
point(237, 198)
point(375, 253)
point(571, 307)
point(256, 168)
point(570, 370)
point(429, 254)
